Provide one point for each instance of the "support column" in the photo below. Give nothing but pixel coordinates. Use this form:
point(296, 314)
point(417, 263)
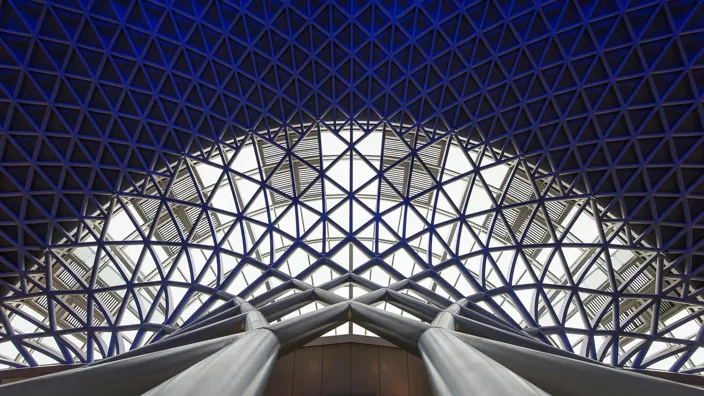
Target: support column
point(228, 313)
point(446, 319)
point(469, 326)
point(130, 376)
point(226, 327)
point(240, 369)
point(255, 319)
point(563, 375)
point(455, 368)
point(244, 367)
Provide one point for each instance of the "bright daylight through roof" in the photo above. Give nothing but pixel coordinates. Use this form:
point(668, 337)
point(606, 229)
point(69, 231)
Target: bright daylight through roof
point(384, 201)
point(508, 195)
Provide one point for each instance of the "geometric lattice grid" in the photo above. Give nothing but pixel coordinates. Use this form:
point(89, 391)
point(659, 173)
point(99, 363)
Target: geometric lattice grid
point(385, 202)
point(543, 161)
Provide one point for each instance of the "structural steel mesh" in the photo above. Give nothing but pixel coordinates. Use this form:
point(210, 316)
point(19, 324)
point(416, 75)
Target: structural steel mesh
point(542, 162)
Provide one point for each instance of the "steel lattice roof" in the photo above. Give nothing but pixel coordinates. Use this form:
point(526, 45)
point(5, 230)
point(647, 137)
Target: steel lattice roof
point(542, 160)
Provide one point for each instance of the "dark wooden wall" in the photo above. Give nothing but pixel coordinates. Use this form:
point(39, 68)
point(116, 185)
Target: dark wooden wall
point(348, 369)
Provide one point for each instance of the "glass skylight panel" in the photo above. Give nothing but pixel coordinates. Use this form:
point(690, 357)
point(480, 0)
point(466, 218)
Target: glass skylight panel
point(410, 202)
point(145, 183)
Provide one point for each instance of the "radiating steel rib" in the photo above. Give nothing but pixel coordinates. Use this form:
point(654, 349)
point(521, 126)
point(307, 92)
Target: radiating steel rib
point(565, 375)
point(455, 362)
point(469, 326)
point(242, 368)
point(229, 326)
point(253, 354)
point(446, 318)
point(452, 367)
point(216, 311)
point(426, 312)
point(230, 312)
point(491, 321)
point(130, 376)
point(275, 292)
point(455, 368)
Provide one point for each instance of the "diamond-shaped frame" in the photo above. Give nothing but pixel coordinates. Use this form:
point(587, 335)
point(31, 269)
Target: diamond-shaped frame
point(568, 116)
